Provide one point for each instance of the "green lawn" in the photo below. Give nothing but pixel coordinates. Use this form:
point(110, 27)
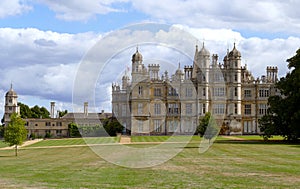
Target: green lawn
point(194, 138)
point(3, 144)
point(257, 137)
point(75, 141)
point(164, 138)
point(226, 164)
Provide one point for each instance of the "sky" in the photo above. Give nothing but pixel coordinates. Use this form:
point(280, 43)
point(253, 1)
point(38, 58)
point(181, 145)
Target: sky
point(46, 43)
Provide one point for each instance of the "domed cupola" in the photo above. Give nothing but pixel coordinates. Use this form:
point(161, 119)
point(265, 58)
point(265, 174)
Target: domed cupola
point(137, 56)
point(204, 51)
point(234, 53)
point(11, 92)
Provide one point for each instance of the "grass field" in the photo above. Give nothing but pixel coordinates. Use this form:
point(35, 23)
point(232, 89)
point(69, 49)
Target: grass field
point(227, 164)
point(75, 141)
point(164, 138)
point(257, 137)
point(3, 144)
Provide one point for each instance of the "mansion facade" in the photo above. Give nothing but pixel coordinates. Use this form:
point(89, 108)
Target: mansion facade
point(150, 104)
point(54, 126)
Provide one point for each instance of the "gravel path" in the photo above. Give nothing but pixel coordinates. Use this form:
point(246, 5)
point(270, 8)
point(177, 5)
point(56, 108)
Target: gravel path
point(26, 143)
point(233, 138)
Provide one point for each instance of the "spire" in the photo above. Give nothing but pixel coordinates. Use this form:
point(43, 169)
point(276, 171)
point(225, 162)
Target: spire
point(137, 48)
point(204, 51)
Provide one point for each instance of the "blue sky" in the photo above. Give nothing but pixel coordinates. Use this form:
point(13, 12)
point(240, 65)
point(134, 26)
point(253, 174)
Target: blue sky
point(44, 41)
point(41, 17)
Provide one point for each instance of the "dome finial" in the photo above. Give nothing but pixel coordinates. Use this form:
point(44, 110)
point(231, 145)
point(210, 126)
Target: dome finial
point(137, 48)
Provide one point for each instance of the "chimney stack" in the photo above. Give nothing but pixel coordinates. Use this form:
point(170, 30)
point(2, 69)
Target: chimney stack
point(52, 104)
point(85, 109)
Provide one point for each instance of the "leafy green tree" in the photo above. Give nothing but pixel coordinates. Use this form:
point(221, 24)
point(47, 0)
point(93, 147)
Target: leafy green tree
point(62, 113)
point(203, 124)
point(208, 127)
point(73, 130)
point(15, 132)
point(44, 113)
point(25, 111)
point(1, 130)
point(283, 115)
point(38, 112)
point(113, 127)
point(34, 112)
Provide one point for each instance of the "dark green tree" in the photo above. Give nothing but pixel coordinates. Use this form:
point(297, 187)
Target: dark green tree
point(44, 113)
point(62, 113)
point(203, 124)
point(34, 112)
point(207, 127)
point(73, 130)
point(113, 127)
point(283, 115)
point(15, 132)
point(25, 111)
point(1, 131)
point(39, 112)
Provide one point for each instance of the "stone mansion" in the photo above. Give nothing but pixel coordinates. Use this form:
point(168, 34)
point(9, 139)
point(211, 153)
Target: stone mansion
point(150, 104)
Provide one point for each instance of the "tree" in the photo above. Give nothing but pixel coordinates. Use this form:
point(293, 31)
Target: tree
point(73, 130)
point(203, 124)
point(283, 115)
point(113, 127)
point(1, 131)
point(44, 113)
point(15, 132)
point(62, 113)
point(34, 112)
point(208, 127)
point(25, 111)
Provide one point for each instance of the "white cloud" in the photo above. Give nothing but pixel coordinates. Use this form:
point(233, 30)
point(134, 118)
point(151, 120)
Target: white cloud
point(41, 64)
point(78, 10)
point(13, 7)
point(268, 16)
point(22, 47)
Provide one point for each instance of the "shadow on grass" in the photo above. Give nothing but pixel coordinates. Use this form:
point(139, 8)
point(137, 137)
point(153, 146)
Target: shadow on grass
point(258, 142)
point(4, 156)
point(268, 142)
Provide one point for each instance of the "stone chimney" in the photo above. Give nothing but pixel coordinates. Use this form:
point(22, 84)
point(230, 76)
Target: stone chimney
point(85, 108)
point(52, 104)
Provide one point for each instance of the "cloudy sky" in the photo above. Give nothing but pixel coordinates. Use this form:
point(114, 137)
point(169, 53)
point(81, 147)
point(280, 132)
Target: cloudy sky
point(45, 42)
